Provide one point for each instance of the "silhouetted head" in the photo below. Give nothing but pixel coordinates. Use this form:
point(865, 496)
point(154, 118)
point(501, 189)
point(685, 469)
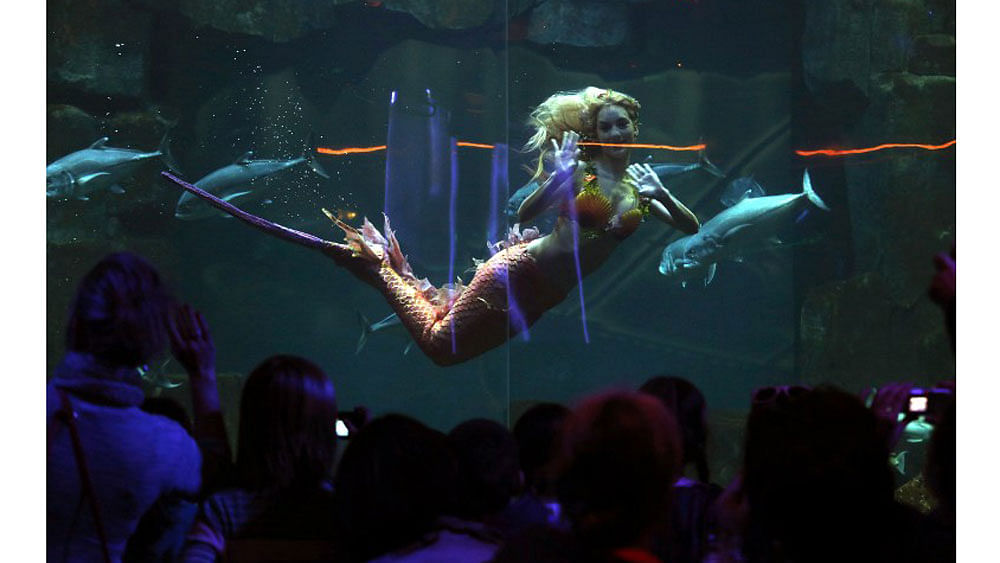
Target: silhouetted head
point(687, 404)
point(488, 470)
point(120, 311)
point(816, 476)
point(535, 432)
point(393, 482)
point(618, 457)
point(287, 435)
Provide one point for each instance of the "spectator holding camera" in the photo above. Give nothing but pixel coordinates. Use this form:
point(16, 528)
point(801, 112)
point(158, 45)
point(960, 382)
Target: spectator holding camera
point(108, 461)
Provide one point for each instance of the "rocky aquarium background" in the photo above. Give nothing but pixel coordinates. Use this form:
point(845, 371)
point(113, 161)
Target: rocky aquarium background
point(753, 79)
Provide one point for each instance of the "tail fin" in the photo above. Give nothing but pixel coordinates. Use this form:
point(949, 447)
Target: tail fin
point(707, 165)
point(365, 331)
point(813, 196)
point(899, 461)
point(310, 156)
point(166, 156)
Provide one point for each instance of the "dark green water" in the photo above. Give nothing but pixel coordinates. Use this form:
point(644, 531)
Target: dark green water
point(842, 302)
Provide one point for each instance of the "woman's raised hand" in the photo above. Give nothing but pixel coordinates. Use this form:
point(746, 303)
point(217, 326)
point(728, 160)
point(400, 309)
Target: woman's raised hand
point(646, 180)
point(191, 342)
point(566, 157)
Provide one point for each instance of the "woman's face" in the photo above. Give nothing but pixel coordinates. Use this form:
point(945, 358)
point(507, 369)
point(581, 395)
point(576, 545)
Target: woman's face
point(614, 126)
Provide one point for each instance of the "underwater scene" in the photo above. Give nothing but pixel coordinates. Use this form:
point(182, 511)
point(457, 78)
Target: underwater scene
point(811, 141)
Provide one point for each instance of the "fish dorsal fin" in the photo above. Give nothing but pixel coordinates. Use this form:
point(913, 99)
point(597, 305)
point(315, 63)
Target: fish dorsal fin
point(99, 144)
point(751, 189)
point(245, 159)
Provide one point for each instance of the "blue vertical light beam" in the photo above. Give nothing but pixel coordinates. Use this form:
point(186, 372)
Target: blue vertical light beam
point(575, 226)
point(453, 237)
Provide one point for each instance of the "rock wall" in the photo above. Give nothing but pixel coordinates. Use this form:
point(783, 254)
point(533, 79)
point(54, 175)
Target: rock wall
point(886, 71)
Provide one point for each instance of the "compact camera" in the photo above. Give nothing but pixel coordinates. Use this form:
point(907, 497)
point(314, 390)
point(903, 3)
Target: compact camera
point(930, 403)
point(342, 429)
point(349, 422)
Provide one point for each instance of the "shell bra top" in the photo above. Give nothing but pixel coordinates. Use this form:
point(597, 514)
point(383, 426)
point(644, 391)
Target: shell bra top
point(594, 211)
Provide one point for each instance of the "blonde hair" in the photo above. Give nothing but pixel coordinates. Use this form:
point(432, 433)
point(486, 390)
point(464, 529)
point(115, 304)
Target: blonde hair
point(574, 111)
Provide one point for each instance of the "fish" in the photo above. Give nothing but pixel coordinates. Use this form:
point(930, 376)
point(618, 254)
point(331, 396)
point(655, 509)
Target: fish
point(666, 170)
point(345, 214)
point(750, 225)
point(739, 189)
point(80, 174)
point(898, 461)
point(368, 328)
point(231, 182)
point(157, 377)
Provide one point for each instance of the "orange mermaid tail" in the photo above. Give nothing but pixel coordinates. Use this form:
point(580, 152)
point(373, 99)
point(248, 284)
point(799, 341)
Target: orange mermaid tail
point(450, 324)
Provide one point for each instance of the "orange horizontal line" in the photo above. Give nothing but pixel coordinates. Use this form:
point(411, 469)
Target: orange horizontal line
point(349, 150)
point(643, 146)
point(698, 147)
point(837, 152)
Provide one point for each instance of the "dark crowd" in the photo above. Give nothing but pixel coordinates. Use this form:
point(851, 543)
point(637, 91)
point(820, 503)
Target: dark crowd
point(620, 476)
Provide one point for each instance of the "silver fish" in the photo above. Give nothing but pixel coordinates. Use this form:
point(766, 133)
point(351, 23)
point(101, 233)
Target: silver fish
point(157, 376)
point(78, 175)
point(748, 226)
point(231, 182)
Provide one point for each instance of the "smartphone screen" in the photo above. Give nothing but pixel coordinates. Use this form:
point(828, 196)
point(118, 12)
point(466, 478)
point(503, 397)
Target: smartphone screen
point(918, 404)
point(342, 430)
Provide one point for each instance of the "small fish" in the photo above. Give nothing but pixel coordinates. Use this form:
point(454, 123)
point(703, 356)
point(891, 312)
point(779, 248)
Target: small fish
point(898, 461)
point(80, 174)
point(230, 182)
point(345, 215)
point(157, 377)
point(368, 328)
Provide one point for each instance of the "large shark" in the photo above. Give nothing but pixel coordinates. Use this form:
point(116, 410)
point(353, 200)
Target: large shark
point(231, 182)
point(78, 175)
point(750, 225)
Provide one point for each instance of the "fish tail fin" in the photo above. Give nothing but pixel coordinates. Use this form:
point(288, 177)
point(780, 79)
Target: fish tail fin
point(366, 329)
point(168, 157)
point(310, 156)
point(812, 195)
point(901, 462)
point(707, 165)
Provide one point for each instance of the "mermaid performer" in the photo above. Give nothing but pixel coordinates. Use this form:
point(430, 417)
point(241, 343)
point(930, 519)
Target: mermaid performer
point(601, 203)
